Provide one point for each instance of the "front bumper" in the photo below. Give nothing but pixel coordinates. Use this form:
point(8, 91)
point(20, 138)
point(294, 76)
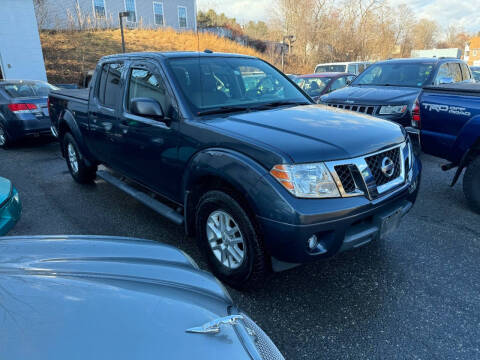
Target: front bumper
point(339, 224)
point(10, 212)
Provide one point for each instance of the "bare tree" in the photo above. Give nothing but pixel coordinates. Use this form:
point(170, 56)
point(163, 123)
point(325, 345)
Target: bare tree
point(41, 13)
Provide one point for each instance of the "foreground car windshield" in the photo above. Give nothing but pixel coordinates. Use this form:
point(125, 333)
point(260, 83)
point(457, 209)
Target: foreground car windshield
point(313, 86)
point(396, 74)
point(223, 82)
point(28, 89)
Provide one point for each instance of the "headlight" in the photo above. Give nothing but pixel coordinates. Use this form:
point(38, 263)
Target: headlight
point(391, 110)
point(306, 180)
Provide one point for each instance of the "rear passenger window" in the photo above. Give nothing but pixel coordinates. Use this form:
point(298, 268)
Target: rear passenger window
point(101, 84)
point(145, 84)
point(361, 67)
point(352, 68)
point(456, 72)
point(109, 90)
point(467, 75)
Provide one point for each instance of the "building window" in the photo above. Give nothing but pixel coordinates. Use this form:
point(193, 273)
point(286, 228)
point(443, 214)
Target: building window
point(99, 8)
point(130, 7)
point(475, 52)
point(158, 13)
point(182, 17)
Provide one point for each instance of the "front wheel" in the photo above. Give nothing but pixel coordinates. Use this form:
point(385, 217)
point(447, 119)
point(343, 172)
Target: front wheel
point(471, 185)
point(230, 241)
point(80, 171)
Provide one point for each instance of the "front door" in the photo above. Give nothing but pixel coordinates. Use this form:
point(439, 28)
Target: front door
point(149, 147)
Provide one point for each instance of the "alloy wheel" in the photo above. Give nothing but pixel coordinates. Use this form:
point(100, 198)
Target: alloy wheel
point(72, 158)
point(3, 136)
point(225, 239)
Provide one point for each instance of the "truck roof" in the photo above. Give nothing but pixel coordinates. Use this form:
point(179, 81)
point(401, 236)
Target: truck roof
point(175, 54)
point(420, 60)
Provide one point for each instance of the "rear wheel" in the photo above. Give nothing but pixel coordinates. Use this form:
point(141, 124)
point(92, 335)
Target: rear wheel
point(230, 241)
point(471, 184)
point(4, 138)
point(80, 171)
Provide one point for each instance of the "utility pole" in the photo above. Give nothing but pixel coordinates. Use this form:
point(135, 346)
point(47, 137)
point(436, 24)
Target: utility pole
point(290, 38)
point(121, 15)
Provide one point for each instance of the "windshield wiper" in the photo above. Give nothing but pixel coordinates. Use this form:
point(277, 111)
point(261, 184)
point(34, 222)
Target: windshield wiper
point(279, 103)
point(223, 110)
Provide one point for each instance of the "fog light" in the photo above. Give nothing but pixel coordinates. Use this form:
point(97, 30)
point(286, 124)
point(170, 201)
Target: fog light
point(312, 242)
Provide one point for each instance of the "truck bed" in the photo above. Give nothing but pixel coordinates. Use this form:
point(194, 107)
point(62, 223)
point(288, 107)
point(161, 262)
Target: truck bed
point(77, 94)
point(471, 89)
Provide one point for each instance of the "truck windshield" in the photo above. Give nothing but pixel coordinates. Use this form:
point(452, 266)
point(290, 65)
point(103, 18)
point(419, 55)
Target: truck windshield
point(234, 83)
point(331, 68)
point(396, 74)
point(27, 89)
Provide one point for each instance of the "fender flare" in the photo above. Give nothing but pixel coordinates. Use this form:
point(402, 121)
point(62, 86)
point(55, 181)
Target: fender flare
point(67, 119)
point(232, 167)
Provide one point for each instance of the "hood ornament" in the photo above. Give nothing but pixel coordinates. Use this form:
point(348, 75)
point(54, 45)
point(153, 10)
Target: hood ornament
point(213, 327)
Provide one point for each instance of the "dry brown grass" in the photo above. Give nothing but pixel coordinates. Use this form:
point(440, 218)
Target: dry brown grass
point(69, 53)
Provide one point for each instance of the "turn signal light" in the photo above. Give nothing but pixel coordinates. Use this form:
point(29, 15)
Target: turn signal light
point(281, 173)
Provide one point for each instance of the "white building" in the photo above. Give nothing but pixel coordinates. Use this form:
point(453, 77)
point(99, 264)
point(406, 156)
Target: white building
point(21, 54)
point(66, 14)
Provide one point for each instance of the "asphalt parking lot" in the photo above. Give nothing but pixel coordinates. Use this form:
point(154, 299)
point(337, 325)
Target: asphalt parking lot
point(416, 295)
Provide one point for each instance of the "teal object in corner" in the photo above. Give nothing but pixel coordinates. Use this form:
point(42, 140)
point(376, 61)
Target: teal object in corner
point(10, 206)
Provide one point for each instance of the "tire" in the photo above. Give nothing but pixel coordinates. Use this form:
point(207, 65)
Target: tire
point(471, 184)
point(80, 171)
point(5, 140)
point(253, 269)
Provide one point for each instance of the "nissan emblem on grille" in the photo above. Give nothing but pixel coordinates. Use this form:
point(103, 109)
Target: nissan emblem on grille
point(388, 166)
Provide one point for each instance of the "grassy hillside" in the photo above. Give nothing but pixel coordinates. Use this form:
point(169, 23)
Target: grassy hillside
point(68, 54)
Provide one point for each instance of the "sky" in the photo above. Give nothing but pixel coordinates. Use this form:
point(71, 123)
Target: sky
point(464, 13)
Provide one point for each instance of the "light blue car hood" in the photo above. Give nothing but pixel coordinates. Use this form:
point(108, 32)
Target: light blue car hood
point(107, 298)
point(5, 190)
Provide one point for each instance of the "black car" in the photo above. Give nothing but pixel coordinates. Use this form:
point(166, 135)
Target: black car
point(248, 163)
point(316, 85)
point(23, 110)
point(389, 89)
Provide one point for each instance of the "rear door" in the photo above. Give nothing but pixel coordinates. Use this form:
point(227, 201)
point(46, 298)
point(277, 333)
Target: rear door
point(148, 146)
point(105, 102)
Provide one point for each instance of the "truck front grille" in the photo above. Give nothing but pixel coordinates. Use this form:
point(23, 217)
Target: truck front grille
point(365, 109)
point(346, 178)
point(375, 164)
point(364, 175)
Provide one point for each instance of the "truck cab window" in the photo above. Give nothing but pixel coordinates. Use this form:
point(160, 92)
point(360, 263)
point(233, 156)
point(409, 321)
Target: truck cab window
point(145, 84)
point(109, 86)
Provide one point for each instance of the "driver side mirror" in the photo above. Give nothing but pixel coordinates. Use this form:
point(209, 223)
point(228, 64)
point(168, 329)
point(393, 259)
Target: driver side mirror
point(147, 107)
point(445, 80)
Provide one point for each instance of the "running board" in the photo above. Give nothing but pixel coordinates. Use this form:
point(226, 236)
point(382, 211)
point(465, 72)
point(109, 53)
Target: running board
point(153, 204)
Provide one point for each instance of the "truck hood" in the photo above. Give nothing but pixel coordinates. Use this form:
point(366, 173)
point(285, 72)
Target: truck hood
point(374, 95)
point(312, 133)
point(5, 190)
point(107, 298)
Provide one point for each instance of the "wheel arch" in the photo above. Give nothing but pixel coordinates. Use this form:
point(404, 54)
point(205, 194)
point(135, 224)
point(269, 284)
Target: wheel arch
point(68, 123)
point(224, 170)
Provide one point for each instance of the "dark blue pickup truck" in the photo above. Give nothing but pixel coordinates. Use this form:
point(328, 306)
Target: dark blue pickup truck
point(449, 119)
point(240, 156)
